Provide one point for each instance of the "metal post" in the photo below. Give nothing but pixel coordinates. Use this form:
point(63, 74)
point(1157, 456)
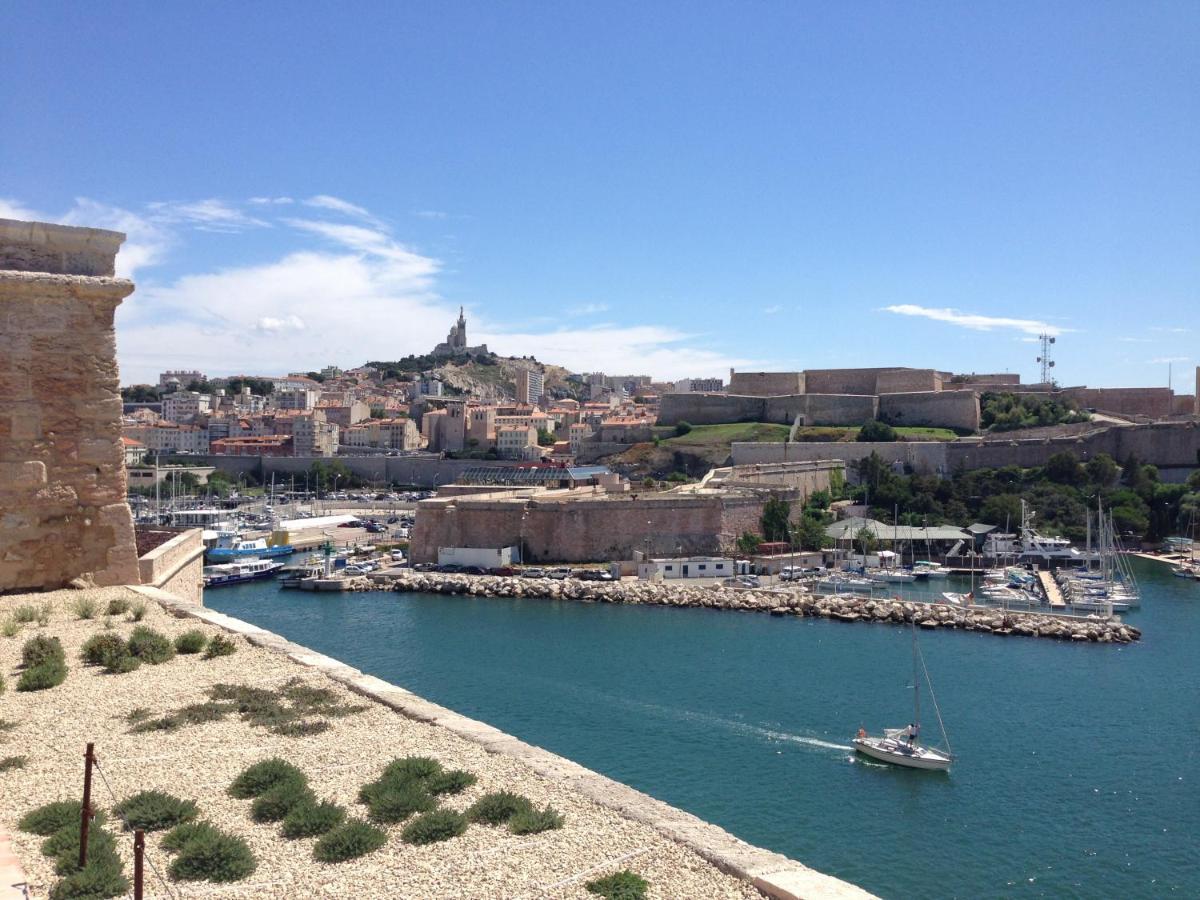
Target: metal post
point(85, 814)
point(139, 850)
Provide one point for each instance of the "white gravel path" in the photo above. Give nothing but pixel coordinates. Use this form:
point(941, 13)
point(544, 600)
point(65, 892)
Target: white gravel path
point(199, 762)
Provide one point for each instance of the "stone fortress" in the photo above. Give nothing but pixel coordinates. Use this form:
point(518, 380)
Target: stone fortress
point(899, 396)
point(63, 512)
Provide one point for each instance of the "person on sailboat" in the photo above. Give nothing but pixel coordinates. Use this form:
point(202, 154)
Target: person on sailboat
point(912, 733)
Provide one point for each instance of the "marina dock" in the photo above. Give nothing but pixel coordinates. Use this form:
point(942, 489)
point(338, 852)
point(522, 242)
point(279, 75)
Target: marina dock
point(1053, 594)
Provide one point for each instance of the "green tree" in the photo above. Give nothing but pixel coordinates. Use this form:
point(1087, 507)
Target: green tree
point(545, 438)
point(1003, 510)
point(865, 541)
point(874, 430)
point(775, 515)
point(1064, 468)
point(810, 533)
point(748, 542)
point(682, 428)
point(818, 500)
point(1102, 470)
point(140, 393)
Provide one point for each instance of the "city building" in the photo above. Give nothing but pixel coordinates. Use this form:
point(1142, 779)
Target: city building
point(312, 435)
point(699, 385)
point(183, 406)
point(174, 380)
point(264, 445)
point(301, 398)
point(517, 442)
point(530, 386)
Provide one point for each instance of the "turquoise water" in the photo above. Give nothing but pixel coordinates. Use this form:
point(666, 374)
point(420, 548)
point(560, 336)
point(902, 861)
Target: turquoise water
point(1077, 772)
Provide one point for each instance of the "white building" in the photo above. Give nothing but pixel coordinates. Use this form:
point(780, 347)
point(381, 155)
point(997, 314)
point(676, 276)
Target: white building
point(478, 557)
point(313, 436)
point(183, 406)
point(531, 386)
point(517, 442)
point(181, 377)
point(166, 437)
point(686, 567)
point(296, 398)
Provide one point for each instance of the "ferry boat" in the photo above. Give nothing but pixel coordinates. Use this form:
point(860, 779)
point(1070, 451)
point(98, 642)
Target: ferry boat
point(240, 548)
point(224, 574)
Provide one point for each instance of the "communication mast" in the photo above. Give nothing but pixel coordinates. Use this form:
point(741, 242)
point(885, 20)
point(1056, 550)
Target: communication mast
point(1044, 359)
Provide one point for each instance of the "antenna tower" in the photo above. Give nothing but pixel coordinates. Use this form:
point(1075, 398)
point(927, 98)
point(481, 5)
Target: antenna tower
point(1044, 359)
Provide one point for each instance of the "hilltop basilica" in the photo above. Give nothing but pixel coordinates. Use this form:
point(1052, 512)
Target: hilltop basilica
point(456, 341)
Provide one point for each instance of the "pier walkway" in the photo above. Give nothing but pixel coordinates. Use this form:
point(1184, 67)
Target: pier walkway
point(1053, 594)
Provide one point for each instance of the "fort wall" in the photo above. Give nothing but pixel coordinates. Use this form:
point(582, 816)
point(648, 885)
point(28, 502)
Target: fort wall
point(936, 409)
point(63, 512)
point(766, 384)
point(925, 457)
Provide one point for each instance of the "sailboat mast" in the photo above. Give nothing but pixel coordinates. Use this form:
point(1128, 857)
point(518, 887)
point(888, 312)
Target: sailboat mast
point(916, 680)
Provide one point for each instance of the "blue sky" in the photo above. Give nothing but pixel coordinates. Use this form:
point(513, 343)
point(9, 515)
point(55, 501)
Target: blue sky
point(670, 188)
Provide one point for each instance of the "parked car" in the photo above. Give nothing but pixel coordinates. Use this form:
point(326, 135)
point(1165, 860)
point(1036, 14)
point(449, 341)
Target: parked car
point(559, 573)
point(425, 567)
point(374, 528)
point(742, 581)
point(352, 524)
point(354, 570)
point(594, 575)
point(533, 572)
point(503, 571)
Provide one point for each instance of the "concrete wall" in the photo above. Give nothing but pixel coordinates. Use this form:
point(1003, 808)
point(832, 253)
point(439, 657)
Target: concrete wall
point(63, 513)
point(940, 409)
point(766, 384)
point(177, 566)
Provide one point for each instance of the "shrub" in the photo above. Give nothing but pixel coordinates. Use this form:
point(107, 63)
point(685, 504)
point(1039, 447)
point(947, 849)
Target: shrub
point(49, 674)
point(534, 821)
point(434, 826)
point(25, 614)
point(349, 841)
point(10, 627)
point(411, 768)
point(219, 646)
point(311, 819)
point(52, 817)
point(43, 615)
point(623, 885)
point(497, 808)
point(191, 641)
point(175, 839)
point(303, 728)
point(102, 649)
point(137, 610)
point(13, 762)
point(395, 803)
point(150, 646)
point(1, 685)
point(118, 607)
point(682, 428)
point(103, 877)
point(264, 775)
point(63, 846)
point(84, 608)
point(138, 714)
point(40, 649)
point(453, 782)
point(213, 856)
point(154, 811)
point(119, 665)
point(275, 803)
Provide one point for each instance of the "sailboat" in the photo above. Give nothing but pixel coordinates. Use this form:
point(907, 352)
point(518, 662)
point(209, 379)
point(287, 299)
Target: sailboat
point(902, 746)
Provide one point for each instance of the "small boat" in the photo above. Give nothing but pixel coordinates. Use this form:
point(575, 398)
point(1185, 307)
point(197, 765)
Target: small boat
point(902, 746)
point(224, 574)
point(925, 569)
point(256, 548)
point(958, 599)
point(885, 576)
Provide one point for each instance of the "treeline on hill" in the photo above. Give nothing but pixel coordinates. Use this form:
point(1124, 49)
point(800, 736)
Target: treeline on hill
point(1003, 411)
point(1061, 492)
point(405, 369)
point(149, 393)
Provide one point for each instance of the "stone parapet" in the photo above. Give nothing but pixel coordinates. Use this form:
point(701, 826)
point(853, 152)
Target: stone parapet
point(57, 249)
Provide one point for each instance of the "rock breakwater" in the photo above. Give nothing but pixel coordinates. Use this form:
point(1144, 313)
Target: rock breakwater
point(778, 602)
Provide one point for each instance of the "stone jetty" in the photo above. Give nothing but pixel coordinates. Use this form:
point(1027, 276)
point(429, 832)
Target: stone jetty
point(777, 601)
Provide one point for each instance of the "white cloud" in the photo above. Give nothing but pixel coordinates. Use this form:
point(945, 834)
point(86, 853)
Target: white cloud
point(1163, 360)
point(1171, 330)
point(430, 214)
point(12, 209)
point(345, 207)
point(588, 309)
point(206, 215)
point(1135, 340)
point(975, 321)
point(269, 201)
point(287, 323)
point(772, 310)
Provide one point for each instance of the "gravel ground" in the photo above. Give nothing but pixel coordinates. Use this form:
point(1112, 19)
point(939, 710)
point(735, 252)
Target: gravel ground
point(199, 762)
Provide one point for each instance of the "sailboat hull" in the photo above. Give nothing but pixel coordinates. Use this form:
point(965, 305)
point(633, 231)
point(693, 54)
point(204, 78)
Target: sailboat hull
point(899, 753)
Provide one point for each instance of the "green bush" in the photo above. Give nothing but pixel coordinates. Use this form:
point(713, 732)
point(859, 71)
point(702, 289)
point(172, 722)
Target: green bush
point(453, 782)
point(10, 627)
point(534, 821)
point(119, 665)
point(103, 649)
point(348, 841)
point(175, 839)
point(411, 768)
point(63, 847)
point(275, 803)
point(192, 641)
point(303, 728)
point(49, 674)
point(103, 877)
point(219, 646)
point(150, 646)
point(434, 826)
point(682, 428)
point(264, 775)
point(497, 808)
point(118, 607)
point(623, 885)
point(40, 649)
point(25, 614)
point(213, 856)
point(396, 802)
point(312, 819)
point(1, 685)
point(43, 615)
point(84, 608)
point(13, 762)
point(137, 610)
point(154, 811)
point(52, 817)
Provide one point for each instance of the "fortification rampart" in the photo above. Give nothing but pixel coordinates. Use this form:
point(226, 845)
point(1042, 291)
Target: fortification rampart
point(63, 513)
point(939, 409)
point(925, 457)
point(766, 384)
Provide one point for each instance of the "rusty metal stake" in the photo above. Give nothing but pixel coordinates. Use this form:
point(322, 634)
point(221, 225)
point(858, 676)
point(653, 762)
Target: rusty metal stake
point(139, 850)
point(86, 812)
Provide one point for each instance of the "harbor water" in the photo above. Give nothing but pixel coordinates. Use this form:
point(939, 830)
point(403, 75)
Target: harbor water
point(1077, 772)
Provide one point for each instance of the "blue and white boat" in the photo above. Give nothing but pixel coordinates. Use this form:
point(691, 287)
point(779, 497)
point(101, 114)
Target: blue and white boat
point(240, 548)
point(224, 574)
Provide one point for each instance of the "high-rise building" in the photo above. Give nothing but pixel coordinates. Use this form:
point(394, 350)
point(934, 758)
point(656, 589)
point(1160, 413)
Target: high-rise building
point(530, 386)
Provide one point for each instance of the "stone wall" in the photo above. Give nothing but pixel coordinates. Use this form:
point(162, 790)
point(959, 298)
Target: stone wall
point(905, 381)
point(63, 514)
point(177, 566)
point(935, 409)
point(924, 457)
point(813, 409)
point(766, 384)
point(1152, 402)
point(709, 409)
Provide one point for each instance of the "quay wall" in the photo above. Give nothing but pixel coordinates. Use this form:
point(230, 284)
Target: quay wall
point(63, 511)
